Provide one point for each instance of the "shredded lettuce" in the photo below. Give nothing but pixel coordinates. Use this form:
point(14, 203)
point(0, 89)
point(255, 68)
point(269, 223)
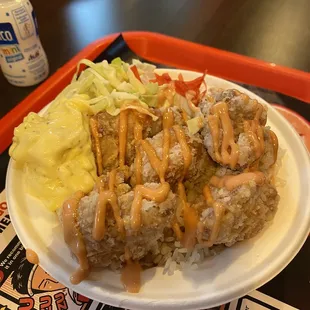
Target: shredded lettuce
point(104, 86)
point(114, 87)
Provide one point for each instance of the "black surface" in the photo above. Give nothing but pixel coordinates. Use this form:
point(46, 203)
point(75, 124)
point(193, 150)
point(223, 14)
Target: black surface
point(277, 31)
point(4, 160)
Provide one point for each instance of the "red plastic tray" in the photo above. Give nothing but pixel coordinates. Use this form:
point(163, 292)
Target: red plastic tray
point(172, 52)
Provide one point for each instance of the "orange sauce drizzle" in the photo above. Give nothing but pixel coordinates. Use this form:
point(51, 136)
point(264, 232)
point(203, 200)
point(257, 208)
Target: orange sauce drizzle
point(219, 210)
point(231, 182)
point(160, 166)
point(131, 274)
point(167, 93)
point(32, 257)
point(275, 145)
point(229, 153)
point(185, 116)
point(74, 238)
point(107, 197)
point(157, 164)
point(190, 220)
point(94, 131)
point(190, 215)
point(177, 230)
point(158, 195)
point(189, 96)
point(256, 134)
point(186, 151)
point(138, 160)
point(123, 128)
point(259, 111)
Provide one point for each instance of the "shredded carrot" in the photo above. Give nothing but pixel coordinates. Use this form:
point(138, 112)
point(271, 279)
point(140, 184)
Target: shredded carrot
point(183, 87)
point(134, 70)
point(162, 79)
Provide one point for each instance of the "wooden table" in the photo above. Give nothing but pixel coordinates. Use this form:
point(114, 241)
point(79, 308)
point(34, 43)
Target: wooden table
point(277, 31)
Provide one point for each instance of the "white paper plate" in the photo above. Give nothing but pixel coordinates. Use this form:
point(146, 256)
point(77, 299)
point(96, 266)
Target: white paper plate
point(233, 273)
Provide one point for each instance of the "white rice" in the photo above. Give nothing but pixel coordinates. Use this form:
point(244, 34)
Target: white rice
point(184, 259)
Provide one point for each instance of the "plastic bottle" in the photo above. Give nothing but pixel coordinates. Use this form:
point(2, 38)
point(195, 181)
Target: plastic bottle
point(22, 57)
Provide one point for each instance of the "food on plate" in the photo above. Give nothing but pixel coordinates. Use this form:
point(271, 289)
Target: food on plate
point(163, 172)
point(244, 202)
point(234, 133)
point(54, 151)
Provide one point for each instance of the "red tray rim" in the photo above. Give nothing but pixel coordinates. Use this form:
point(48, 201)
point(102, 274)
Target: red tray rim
point(295, 83)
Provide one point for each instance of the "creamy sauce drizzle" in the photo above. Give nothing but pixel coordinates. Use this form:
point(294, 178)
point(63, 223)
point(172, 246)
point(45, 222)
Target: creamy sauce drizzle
point(123, 128)
point(186, 151)
point(166, 94)
point(256, 134)
point(131, 274)
point(189, 96)
point(177, 230)
point(259, 112)
point(190, 215)
point(219, 210)
point(32, 257)
point(74, 238)
point(107, 197)
point(158, 195)
point(94, 130)
point(160, 166)
point(185, 116)
point(229, 153)
point(138, 160)
point(231, 182)
point(190, 220)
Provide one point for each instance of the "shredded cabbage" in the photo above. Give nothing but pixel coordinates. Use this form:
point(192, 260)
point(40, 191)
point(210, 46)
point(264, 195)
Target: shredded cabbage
point(195, 124)
point(105, 87)
point(111, 88)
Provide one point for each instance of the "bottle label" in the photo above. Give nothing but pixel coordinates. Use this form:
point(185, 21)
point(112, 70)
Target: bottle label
point(23, 22)
point(7, 34)
point(9, 44)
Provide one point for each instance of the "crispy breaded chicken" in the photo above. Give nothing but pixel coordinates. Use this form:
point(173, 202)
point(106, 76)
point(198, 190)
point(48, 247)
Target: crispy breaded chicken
point(247, 117)
point(107, 252)
point(107, 127)
point(201, 162)
point(247, 209)
point(241, 107)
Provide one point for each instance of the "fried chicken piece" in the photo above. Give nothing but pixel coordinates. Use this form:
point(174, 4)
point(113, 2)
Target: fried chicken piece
point(109, 252)
point(155, 218)
point(247, 209)
point(241, 107)
point(107, 127)
point(108, 132)
point(248, 118)
point(201, 163)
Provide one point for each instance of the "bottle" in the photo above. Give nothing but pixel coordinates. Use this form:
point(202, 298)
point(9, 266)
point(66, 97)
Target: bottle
point(22, 57)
